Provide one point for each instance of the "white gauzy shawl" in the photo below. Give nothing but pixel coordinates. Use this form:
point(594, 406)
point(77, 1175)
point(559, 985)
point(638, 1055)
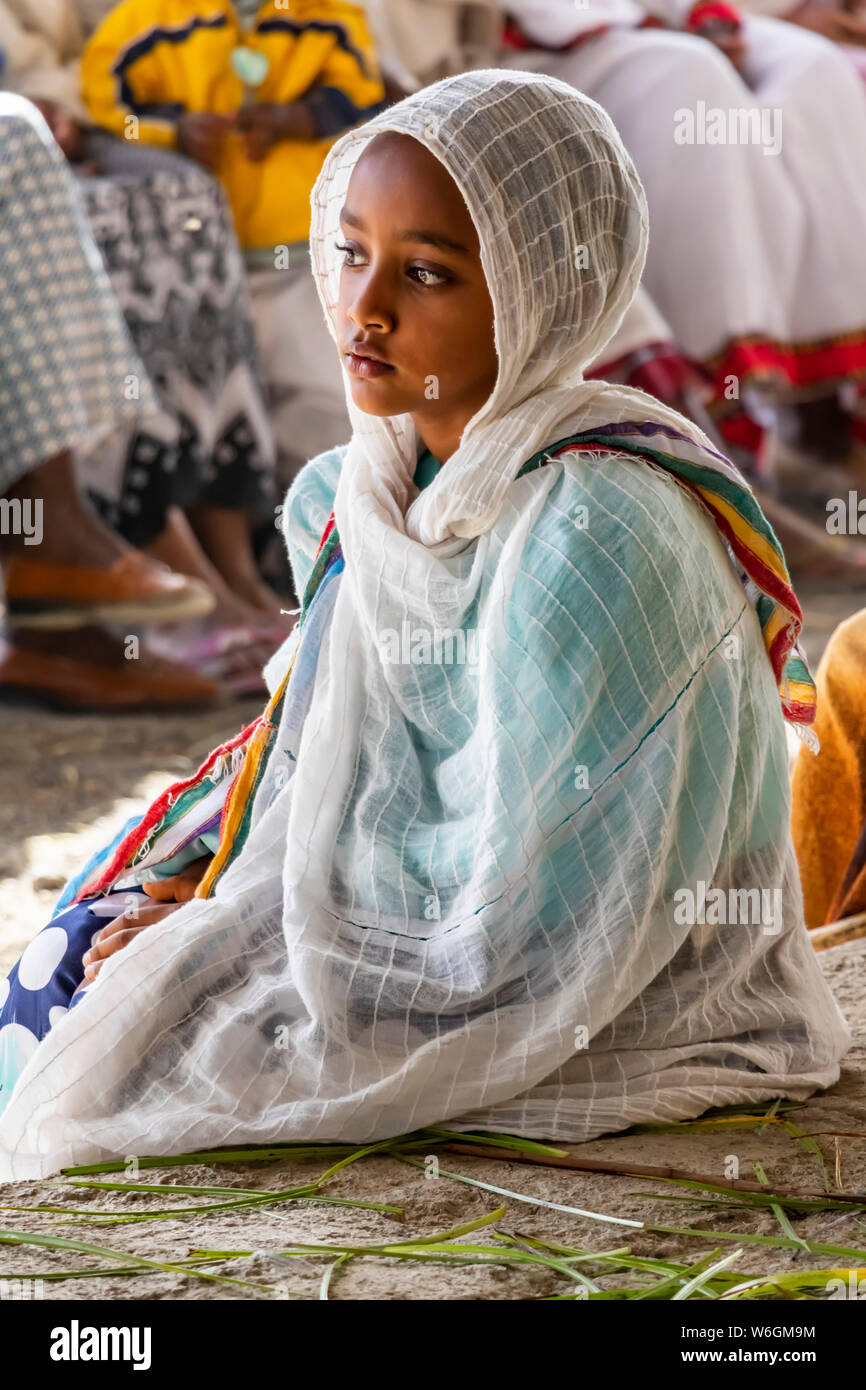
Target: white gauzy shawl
point(474, 888)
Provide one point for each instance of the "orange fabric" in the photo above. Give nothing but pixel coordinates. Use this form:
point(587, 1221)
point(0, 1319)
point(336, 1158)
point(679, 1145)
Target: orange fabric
point(829, 789)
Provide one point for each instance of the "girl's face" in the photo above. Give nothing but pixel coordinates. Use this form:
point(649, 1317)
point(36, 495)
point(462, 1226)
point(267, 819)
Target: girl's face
point(414, 316)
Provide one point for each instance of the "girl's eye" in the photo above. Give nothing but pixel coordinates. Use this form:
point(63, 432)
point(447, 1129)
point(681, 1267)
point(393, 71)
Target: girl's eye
point(425, 276)
point(351, 254)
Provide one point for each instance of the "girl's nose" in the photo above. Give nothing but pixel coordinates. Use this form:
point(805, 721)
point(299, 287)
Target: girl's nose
point(370, 309)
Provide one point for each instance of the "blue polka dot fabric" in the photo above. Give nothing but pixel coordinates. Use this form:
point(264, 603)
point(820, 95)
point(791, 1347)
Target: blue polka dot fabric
point(40, 989)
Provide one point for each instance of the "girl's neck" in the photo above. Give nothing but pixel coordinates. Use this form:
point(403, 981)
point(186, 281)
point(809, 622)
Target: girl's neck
point(442, 441)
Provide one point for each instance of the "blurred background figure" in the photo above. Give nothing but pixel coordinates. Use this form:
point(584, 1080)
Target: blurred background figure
point(66, 366)
point(841, 23)
point(196, 487)
point(191, 486)
point(256, 93)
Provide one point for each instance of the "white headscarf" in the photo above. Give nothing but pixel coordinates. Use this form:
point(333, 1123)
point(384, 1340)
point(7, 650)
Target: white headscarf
point(561, 219)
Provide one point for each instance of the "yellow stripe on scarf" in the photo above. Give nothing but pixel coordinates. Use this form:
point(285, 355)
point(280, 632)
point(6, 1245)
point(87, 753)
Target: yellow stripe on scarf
point(239, 795)
point(763, 549)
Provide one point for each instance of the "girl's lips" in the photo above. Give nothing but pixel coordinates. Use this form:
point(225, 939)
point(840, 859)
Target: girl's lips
point(366, 366)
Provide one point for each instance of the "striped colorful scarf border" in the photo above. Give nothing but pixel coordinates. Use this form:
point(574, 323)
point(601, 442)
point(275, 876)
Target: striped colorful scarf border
point(168, 807)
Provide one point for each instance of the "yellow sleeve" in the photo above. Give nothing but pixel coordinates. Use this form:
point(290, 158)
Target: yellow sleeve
point(122, 84)
point(324, 53)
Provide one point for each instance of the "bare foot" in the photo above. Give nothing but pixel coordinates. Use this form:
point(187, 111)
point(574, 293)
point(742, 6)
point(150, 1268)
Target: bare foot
point(224, 534)
point(178, 547)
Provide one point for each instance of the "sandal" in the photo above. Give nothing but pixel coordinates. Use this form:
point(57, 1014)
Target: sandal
point(232, 656)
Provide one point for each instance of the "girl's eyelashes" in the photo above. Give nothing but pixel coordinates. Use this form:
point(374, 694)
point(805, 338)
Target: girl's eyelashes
point(427, 277)
point(424, 275)
point(351, 253)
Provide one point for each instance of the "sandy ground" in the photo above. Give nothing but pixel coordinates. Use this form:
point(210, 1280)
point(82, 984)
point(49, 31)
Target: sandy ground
point(69, 782)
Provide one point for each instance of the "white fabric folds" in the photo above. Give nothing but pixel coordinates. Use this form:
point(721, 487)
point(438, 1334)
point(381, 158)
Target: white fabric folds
point(476, 883)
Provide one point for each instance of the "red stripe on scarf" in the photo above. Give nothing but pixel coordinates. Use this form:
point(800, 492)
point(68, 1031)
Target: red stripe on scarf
point(764, 577)
point(155, 812)
point(329, 526)
point(798, 713)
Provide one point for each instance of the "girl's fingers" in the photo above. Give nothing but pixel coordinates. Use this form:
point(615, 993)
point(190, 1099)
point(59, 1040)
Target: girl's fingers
point(180, 887)
point(117, 934)
point(101, 950)
point(153, 912)
point(162, 889)
point(186, 882)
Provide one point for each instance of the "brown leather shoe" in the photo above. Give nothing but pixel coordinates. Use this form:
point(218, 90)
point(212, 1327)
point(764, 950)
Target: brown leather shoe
point(67, 683)
point(133, 590)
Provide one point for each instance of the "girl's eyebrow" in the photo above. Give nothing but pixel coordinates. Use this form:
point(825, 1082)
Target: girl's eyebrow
point(429, 238)
point(433, 239)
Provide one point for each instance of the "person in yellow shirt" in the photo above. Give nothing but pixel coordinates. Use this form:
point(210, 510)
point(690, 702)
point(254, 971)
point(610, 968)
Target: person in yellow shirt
point(255, 92)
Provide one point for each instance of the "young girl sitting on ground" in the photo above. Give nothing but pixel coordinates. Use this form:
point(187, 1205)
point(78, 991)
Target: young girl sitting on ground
point(509, 847)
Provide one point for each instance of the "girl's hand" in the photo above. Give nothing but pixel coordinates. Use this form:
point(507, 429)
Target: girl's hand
point(117, 934)
point(169, 894)
point(180, 888)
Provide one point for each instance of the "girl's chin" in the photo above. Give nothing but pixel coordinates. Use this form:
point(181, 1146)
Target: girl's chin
point(378, 397)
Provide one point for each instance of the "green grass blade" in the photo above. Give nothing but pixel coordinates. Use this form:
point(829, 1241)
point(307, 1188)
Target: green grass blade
point(329, 1275)
point(531, 1201)
point(115, 1218)
point(309, 1192)
point(815, 1247)
point(787, 1228)
point(772, 1116)
point(766, 1199)
point(802, 1279)
point(271, 1153)
point(495, 1141)
point(813, 1148)
point(58, 1275)
point(187, 1191)
point(622, 1257)
point(381, 1147)
point(552, 1263)
point(87, 1248)
point(260, 1154)
point(666, 1287)
point(700, 1279)
point(738, 1200)
point(462, 1230)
